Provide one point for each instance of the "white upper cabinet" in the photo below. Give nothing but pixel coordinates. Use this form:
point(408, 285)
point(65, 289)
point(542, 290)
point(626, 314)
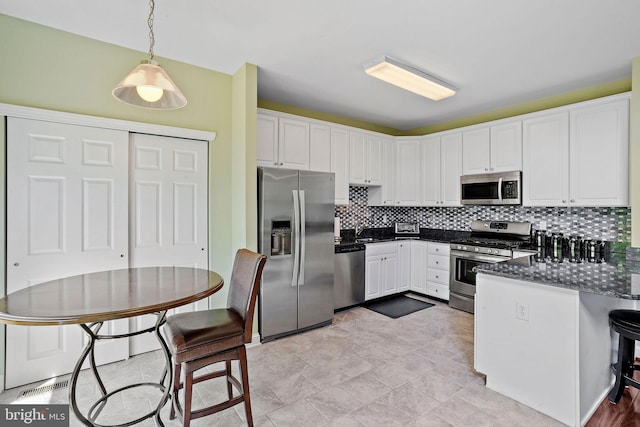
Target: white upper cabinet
point(340, 164)
point(599, 155)
point(293, 144)
point(496, 148)
point(365, 163)
point(545, 177)
point(267, 141)
point(408, 188)
point(577, 157)
point(282, 142)
point(506, 147)
point(476, 156)
point(450, 168)
point(384, 195)
point(319, 148)
point(441, 168)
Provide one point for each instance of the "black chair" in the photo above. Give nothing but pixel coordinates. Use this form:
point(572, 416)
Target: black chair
point(627, 324)
point(201, 338)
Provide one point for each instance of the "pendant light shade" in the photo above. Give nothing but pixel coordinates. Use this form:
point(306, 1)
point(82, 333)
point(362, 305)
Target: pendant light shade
point(148, 85)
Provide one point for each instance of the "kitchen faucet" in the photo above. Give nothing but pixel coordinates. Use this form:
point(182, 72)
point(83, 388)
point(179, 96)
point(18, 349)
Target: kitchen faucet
point(359, 229)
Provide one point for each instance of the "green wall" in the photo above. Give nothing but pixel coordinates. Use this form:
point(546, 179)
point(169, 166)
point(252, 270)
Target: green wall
point(51, 69)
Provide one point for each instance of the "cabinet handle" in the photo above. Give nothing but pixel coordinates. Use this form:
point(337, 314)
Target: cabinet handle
point(16, 264)
point(281, 164)
point(486, 170)
point(564, 201)
point(437, 262)
point(437, 277)
point(573, 200)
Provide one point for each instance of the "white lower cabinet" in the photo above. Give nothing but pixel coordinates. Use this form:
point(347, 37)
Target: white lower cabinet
point(395, 267)
point(438, 270)
point(404, 265)
point(381, 270)
point(419, 266)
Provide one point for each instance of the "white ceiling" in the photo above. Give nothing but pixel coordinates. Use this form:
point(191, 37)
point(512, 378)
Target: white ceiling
point(310, 54)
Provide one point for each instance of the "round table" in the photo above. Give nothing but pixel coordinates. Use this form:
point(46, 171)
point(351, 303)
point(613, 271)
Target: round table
point(91, 299)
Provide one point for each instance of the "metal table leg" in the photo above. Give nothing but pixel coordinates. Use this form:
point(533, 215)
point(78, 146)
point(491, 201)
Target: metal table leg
point(92, 330)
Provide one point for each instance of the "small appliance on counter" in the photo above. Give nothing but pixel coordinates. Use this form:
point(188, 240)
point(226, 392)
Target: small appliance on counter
point(406, 230)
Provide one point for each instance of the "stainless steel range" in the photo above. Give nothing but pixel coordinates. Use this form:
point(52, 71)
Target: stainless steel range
point(490, 242)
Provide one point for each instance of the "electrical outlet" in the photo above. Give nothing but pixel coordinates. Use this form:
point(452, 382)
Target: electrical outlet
point(522, 311)
point(384, 218)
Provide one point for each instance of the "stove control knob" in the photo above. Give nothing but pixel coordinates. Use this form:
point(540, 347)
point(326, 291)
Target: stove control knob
point(464, 248)
point(477, 249)
point(459, 247)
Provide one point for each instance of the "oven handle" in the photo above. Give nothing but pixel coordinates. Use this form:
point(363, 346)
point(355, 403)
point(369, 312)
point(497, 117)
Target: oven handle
point(477, 257)
point(500, 188)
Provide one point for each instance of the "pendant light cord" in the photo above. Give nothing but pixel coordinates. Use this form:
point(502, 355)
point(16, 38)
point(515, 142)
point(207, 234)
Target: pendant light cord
point(152, 40)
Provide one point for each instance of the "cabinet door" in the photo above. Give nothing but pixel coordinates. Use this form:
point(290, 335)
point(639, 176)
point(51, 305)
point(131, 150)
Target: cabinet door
point(431, 171)
point(408, 173)
point(267, 141)
point(340, 164)
point(419, 266)
point(293, 144)
point(404, 266)
point(545, 176)
point(374, 160)
point(450, 169)
point(357, 158)
point(319, 148)
point(373, 277)
point(599, 151)
point(506, 147)
point(475, 151)
point(384, 195)
point(390, 274)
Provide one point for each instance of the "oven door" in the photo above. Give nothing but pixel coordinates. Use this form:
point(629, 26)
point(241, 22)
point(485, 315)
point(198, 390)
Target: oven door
point(463, 273)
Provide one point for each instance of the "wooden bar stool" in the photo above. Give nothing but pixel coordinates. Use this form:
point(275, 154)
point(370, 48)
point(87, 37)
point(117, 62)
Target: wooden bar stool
point(201, 338)
point(627, 324)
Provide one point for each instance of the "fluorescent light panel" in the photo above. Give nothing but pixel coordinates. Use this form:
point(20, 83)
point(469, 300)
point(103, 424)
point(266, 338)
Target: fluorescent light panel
point(411, 79)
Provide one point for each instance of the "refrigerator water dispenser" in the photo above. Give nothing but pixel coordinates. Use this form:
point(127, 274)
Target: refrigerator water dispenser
point(280, 238)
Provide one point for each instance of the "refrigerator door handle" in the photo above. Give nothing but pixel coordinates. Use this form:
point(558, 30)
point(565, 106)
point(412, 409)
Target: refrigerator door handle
point(303, 221)
point(296, 237)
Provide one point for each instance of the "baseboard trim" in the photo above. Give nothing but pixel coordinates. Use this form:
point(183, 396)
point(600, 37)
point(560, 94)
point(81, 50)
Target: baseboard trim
point(255, 340)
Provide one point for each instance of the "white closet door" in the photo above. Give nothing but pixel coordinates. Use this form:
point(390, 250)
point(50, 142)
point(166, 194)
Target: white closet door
point(66, 215)
point(168, 211)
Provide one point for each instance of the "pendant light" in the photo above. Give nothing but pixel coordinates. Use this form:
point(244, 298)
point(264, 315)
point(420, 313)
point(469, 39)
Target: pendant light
point(148, 85)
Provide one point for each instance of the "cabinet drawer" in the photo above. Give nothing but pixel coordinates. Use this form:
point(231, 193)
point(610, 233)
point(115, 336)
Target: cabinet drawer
point(438, 261)
point(385, 248)
point(438, 276)
point(438, 249)
point(437, 290)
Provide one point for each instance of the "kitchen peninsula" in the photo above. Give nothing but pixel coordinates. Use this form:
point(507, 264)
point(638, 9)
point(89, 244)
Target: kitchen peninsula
point(542, 335)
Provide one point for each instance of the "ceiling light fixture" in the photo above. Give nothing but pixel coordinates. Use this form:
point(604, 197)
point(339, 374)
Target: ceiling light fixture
point(410, 78)
point(148, 85)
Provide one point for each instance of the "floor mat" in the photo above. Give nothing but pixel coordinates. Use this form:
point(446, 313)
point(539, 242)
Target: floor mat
point(397, 306)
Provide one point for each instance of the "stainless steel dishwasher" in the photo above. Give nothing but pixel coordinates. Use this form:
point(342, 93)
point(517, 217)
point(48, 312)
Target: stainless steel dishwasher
point(348, 288)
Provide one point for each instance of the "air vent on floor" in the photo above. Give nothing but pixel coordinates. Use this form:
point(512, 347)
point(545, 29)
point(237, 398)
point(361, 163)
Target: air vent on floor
point(44, 389)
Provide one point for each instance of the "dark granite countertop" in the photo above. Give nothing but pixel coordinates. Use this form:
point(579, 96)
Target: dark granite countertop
point(617, 277)
point(379, 235)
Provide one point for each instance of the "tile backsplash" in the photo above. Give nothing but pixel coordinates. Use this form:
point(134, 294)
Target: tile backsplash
point(612, 224)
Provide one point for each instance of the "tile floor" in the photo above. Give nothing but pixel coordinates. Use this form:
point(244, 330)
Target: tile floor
point(364, 370)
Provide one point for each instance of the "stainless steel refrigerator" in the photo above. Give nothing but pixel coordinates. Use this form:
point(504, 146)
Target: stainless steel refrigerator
point(295, 231)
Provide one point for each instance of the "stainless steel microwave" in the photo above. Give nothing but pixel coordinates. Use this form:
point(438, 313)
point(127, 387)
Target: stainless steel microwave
point(503, 188)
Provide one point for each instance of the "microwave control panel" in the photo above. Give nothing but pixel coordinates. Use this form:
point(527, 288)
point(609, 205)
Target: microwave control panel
point(510, 190)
